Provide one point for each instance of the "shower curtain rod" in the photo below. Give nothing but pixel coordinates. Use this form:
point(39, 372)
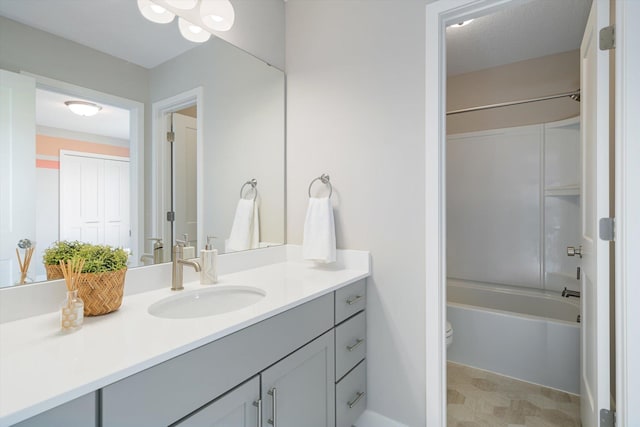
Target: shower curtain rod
point(575, 95)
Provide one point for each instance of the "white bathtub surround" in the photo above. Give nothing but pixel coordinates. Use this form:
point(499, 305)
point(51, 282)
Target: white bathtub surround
point(319, 240)
point(34, 357)
point(373, 419)
point(531, 336)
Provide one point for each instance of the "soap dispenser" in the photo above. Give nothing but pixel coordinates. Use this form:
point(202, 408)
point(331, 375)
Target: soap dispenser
point(209, 262)
point(188, 251)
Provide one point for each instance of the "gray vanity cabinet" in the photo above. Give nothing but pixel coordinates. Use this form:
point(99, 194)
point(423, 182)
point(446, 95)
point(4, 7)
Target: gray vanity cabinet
point(237, 408)
point(299, 390)
point(78, 412)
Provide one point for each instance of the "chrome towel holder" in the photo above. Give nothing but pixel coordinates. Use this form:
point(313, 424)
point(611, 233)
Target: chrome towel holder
point(324, 178)
point(254, 184)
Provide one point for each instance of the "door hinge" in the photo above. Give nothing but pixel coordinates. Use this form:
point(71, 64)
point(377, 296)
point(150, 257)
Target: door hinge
point(171, 136)
point(607, 418)
point(171, 216)
point(607, 229)
point(607, 38)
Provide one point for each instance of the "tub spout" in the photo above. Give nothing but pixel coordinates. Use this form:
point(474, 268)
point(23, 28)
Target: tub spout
point(568, 293)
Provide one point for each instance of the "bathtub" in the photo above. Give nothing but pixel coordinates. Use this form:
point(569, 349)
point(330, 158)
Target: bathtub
point(525, 334)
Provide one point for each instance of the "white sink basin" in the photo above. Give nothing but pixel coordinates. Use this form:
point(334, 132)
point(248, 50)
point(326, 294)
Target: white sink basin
point(206, 302)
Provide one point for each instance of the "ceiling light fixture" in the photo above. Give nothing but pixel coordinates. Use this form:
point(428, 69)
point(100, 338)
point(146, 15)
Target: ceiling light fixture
point(154, 12)
point(182, 4)
point(217, 15)
point(83, 108)
point(192, 32)
point(462, 24)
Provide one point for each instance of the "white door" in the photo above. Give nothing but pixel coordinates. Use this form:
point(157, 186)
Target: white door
point(185, 187)
point(94, 199)
point(594, 81)
point(17, 169)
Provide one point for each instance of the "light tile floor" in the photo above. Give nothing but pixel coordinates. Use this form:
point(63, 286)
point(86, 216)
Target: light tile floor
point(481, 398)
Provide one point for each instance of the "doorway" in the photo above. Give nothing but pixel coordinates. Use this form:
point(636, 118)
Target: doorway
point(177, 158)
point(438, 15)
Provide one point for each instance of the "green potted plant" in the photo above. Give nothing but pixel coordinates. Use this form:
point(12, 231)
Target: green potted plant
point(60, 251)
point(101, 282)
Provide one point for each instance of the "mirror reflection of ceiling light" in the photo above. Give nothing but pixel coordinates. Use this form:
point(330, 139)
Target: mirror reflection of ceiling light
point(192, 32)
point(83, 108)
point(462, 24)
point(217, 15)
point(154, 12)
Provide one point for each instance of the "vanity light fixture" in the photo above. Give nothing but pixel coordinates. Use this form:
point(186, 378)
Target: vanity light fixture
point(83, 108)
point(182, 4)
point(192, 32)
point(217, 15)
point(461, 24)
point(154, 12)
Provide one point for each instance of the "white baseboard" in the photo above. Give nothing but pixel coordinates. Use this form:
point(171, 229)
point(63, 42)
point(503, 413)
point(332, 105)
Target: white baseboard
point(373, 419)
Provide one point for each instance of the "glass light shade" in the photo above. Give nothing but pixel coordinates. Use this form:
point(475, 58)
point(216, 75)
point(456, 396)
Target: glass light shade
point(182, 4)
point(154, 12)
point(83, 108)
point(217, 14)
point(192, 32)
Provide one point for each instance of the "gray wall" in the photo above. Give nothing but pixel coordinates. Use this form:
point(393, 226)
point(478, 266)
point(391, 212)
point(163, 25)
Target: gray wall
point(355, 110)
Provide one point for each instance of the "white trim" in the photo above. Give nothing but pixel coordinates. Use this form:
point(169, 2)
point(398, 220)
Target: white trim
point(627, 130)
point(136, 146)
point(93, 155)
point(158, 111)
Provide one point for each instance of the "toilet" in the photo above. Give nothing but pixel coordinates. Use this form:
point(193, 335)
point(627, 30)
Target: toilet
point(449, 334)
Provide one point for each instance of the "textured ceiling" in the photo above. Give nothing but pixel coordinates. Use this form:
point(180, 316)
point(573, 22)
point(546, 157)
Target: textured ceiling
point(51, 111)
point(530, 30)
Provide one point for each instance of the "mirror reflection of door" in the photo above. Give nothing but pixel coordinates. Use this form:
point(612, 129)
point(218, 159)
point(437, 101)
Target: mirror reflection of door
point(94, 199)
point(184, 191)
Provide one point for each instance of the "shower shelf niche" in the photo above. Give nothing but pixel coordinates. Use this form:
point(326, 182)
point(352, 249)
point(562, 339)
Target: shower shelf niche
point(562, 190)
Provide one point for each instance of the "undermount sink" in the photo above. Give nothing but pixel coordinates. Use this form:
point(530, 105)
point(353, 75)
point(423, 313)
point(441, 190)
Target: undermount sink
point(206, 302)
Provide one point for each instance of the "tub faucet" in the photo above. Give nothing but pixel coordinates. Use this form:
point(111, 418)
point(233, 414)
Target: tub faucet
point(568, 293)
point(178, 263)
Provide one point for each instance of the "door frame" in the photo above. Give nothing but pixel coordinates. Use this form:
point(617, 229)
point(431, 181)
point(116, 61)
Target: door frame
point(627, 155)
point(159, 111)
point(136, 147)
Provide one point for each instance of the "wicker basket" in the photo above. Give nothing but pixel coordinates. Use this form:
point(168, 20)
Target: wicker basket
point(101, 292)
point(54, 272)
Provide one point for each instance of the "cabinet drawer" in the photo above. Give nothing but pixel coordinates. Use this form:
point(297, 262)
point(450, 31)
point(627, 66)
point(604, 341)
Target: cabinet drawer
point(351, 398)
point(350, 344)
point(350, 300)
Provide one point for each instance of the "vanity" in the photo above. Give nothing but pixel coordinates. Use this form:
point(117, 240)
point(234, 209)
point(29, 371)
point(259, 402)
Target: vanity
point(297, 354)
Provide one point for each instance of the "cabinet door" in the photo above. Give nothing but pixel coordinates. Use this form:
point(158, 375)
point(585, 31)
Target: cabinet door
point(78, 412)
point(300, 390)
point(234, 409)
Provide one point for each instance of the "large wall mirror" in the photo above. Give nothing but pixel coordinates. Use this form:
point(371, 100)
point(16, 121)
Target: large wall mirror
point(114, 178)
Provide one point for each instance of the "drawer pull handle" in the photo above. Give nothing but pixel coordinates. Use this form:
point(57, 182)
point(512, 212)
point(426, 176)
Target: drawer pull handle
point(356, 345)
point(353, 300)
point(258, 404)
point(274, 394)
point(355, 401)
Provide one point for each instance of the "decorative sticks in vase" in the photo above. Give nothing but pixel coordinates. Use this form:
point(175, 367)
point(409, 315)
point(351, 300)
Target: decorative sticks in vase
point(72, 308)
point(28, 253)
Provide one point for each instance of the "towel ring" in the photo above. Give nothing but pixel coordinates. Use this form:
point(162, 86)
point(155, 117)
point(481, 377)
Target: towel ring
point(253, 183)
point(324, 178)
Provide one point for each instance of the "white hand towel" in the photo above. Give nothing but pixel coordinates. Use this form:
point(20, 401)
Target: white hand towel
point(242, 230)
point(255, 228)
point(319, 240)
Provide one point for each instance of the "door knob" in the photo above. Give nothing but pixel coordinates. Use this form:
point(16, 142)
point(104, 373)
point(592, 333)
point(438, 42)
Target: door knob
point(573, 251)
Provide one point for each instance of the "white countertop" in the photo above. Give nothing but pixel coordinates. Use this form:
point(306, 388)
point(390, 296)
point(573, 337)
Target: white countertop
point(41, 368)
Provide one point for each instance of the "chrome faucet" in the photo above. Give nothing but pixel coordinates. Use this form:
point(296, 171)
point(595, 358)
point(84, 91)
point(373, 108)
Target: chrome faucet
point(568, 293)
point(178, 263)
